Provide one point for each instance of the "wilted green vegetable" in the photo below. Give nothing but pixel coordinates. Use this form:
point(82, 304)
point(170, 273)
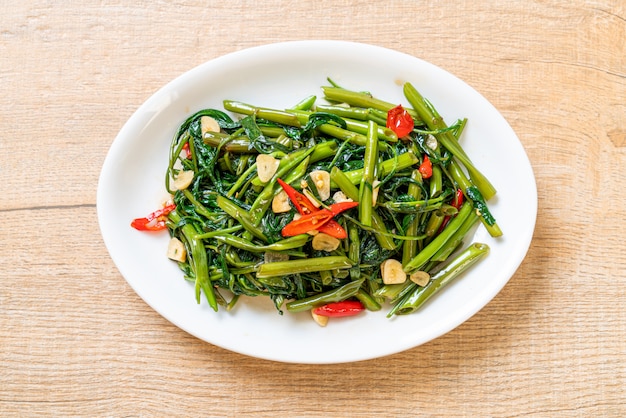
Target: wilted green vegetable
point(233, 239)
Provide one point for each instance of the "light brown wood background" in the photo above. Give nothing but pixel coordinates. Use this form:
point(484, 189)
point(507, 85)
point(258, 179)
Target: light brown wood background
point(75, 340)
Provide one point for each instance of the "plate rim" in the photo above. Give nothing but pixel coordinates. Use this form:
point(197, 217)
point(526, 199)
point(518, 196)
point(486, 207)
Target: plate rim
point(156, 98)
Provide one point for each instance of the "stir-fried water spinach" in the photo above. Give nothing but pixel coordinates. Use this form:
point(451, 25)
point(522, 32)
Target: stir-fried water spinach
point(259, 203)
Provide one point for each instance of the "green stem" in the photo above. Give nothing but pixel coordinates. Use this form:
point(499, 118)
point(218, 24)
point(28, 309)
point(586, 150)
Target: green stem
point(354, 250)
point(336, 295)
point(241, 180)
point(409, 248)
point(368, 301)
point(473, 194)
point(337, 94)
point(447, 139)
point(199, 261)
point(456, 239)
point(357, 113)
point(369, 175)
point(351, 191)
point(403, 161)
point(461, 263)
point(218, 232)
point(199, 207)
point(425, 255)
point(416, 206)
point(305, 104)
point(307, 265)
point(282, 245)
point(273, 115)
point(239, 144)
point(434, 222)
point(360, 127)
point(241, 216)
point(436, 182)
point(264, 199)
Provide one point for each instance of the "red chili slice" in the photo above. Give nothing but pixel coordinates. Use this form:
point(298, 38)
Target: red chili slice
point(302, 203)
point(457, 202)
point(399, 121)
point(187, 150)
point(154, 221)
point(339, 309)
point(306, 223)
point(426, 168)
point(305, 207)
point(333, 229)
point(337, 208)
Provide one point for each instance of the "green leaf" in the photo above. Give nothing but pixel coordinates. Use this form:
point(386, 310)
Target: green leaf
point(480, 205)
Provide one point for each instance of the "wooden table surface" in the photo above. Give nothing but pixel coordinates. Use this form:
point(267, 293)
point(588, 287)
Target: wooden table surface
point(75, 340)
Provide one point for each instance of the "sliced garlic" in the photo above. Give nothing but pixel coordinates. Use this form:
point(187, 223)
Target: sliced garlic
point(208, 124)
point(183, 179)
point(176, 250)
point(392, 272)
point(280, 203)
point(322, 321)
point(324, 242)
point(340, 196)
point(321, 179)
point(420, 278)
point(431, 142)
point(266, 167)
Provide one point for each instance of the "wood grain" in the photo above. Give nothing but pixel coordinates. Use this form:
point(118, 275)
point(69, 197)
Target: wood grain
point(75, 340)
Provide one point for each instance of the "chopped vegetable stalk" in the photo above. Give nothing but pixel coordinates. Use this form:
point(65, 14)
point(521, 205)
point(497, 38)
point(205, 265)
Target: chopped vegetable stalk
point(366, 188)
point(424, 256)
point(352, 192)
point(461, 263)
point(403, 161)
point(447, 139)
point(307, 265)
point(409, 247)
point(456, 203)
point(282, 245)
point(335, 295)
point(412, 201)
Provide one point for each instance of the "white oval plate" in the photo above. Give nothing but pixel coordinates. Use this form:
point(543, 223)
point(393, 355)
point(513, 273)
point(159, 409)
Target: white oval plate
point(279, 75)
